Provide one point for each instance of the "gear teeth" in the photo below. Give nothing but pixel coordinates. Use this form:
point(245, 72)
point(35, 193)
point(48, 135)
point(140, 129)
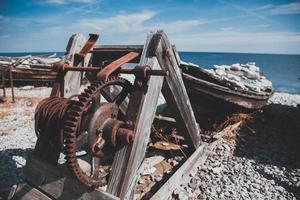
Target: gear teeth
point(76, 108)
point(92, 88)
point(72, 123)
point(70, 129)
point(77, 103)
point(76, 114)
point(86, 95)
point(94, 85)
point(88, 91)
point(72, 118)
point(83, 99)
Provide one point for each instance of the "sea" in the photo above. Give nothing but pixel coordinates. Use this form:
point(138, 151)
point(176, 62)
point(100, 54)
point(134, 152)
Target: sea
point(283, 70)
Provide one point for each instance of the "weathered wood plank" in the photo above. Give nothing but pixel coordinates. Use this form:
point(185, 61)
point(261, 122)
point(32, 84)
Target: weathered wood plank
point(128, 159)
point(190, 167)
point(178, 177)
point(174, 90)
point(58, 182)
point(176, 54)
point(26, 192)
point(72, 79)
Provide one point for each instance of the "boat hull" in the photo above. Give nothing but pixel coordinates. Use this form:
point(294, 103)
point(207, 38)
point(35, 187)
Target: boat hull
point(219, 96)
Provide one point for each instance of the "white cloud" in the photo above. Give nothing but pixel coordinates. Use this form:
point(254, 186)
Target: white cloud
point(4, 36)
point(226, 28)
point(131, 28)
point(249, 12)
point(133, 22)
point(239, 41)
point(264, 7)
point(286, 9)
point(178, 26)
point(68, 1)
point(4, 18)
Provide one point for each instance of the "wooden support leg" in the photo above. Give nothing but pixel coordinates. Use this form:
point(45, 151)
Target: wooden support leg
point(174, 90)
point(128, 159)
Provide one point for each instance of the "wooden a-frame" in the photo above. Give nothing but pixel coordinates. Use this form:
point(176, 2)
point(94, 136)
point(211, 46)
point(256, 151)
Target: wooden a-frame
point(158, 54)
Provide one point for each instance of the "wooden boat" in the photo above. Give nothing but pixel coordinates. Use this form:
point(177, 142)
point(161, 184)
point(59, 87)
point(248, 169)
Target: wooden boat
point(205, 91)
point(24, 73)
point(33, 75)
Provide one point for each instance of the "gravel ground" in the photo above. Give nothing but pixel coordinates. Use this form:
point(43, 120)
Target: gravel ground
point(261, 164)
point(17, 133)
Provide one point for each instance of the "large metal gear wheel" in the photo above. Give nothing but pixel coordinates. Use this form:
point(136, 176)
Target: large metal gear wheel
point(84, 119)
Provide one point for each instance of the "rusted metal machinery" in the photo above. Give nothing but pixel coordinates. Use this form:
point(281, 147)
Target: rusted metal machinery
point(82, 122)
point(109, 121)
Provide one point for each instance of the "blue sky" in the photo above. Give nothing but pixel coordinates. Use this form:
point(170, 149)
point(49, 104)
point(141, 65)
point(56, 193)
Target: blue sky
point(208, 26)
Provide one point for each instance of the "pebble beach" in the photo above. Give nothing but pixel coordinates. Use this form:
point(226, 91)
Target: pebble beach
point(251, 165)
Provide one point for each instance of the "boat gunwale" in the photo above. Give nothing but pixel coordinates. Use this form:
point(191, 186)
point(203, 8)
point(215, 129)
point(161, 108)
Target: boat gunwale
point(225, 89)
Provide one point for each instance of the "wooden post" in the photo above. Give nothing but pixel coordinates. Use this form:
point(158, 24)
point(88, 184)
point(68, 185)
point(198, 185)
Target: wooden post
point(128, 159)
point(174, 90)
point(2, 69)
point(72, 80)
point(11, 80)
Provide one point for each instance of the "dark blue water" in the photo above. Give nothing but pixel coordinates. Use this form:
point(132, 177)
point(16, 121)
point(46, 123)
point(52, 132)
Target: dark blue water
point(282, 70)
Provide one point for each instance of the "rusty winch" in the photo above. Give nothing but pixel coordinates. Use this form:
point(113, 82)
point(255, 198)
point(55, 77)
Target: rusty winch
point(97, 121)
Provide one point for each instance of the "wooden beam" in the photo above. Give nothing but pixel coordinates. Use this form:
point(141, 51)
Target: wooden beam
point(72, 80)
point(192, 164)
point(174, 90)
point(180, 175)
point(127, 160)
point(58, 182)
point(138, 48)
point(27, 192)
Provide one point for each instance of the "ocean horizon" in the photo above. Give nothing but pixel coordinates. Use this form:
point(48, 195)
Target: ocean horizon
point(282, 69)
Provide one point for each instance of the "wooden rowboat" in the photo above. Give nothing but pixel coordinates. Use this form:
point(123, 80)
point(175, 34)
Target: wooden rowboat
point(33, 75)
point(210, 93)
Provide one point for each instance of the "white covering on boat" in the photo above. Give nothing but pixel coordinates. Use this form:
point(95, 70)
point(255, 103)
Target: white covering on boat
point(26, 61)
point(245, 77)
